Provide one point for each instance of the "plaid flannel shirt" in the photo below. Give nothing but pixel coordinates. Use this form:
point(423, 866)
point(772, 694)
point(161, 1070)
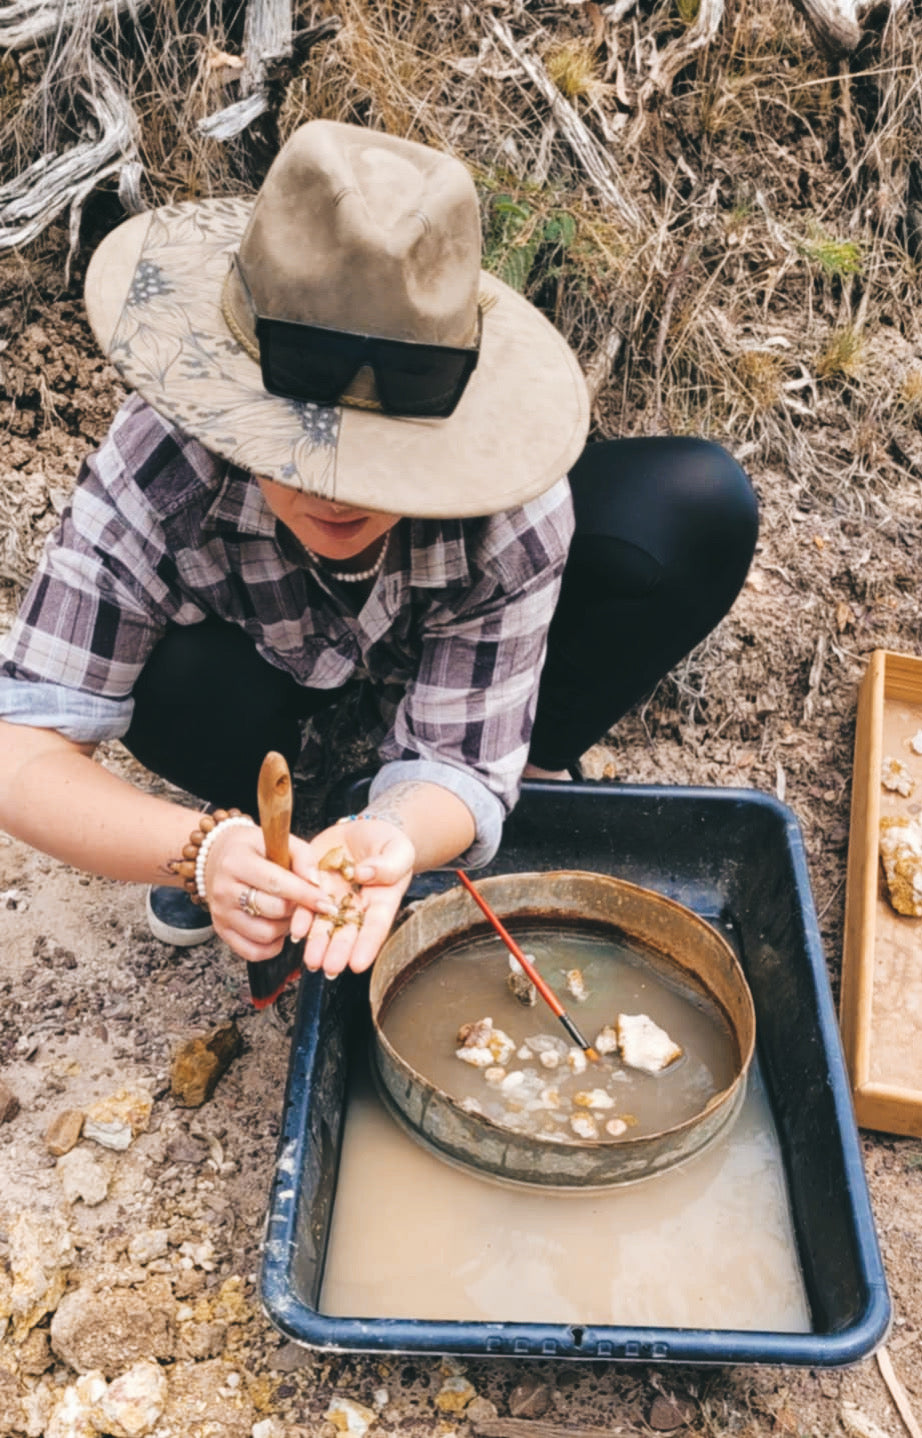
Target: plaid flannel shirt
point(161, 531)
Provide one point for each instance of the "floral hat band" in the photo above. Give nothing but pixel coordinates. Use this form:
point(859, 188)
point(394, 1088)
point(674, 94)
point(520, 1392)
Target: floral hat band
point(337, 334)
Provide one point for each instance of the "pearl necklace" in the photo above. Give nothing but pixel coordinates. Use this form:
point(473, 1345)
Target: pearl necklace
point(350, 577)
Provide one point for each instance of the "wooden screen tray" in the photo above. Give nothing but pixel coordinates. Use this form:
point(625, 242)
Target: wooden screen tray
point(881, 1001)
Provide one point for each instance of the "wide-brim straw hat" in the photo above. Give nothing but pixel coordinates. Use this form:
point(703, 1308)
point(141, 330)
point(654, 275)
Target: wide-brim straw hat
point(357, 231)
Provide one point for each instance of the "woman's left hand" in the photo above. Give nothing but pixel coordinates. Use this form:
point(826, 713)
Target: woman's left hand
point(379, 864)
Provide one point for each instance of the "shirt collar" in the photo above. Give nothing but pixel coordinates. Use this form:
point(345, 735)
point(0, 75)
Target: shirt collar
point(438, 553)
point(435, 555)
point(239, 505)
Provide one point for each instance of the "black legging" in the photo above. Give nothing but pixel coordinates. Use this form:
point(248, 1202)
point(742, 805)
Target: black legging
point(665, 532)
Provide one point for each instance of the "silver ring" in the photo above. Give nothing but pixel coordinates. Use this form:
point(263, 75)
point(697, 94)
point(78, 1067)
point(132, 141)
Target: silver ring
point(247, 902)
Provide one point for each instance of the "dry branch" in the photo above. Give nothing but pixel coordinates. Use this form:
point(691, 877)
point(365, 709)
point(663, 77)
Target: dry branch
point(267, 38)
point(598, 164)
point(269, 42)
point(599, 368)
point(679, 51)
point(36, 196)
point(25, 22)
point(837, 25)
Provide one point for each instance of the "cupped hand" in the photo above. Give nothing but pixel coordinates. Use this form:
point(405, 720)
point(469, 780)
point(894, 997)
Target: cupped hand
point(251, 899)
point(366, 891)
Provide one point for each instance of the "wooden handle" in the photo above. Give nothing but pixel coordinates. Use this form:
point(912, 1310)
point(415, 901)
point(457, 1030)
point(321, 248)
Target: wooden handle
point(274, 794)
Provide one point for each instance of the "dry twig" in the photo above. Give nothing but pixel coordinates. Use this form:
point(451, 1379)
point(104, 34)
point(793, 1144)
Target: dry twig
point(599, 165)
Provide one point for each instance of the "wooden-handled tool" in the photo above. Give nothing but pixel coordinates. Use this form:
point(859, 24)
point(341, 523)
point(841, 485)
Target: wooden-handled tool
point(547, 994)
point(274, 793)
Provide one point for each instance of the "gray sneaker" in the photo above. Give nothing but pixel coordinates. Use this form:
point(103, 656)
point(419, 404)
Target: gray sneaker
point(174, 919)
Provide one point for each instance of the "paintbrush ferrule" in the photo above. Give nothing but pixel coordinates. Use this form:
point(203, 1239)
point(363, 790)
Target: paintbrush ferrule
point(574, 1033)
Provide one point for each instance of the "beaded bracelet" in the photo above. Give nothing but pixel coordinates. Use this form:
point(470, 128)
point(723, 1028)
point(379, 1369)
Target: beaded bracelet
point(191, 867)
point(354, 818)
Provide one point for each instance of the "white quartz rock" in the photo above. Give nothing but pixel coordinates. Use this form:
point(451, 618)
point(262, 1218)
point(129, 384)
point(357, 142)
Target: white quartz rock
point(644, 1045)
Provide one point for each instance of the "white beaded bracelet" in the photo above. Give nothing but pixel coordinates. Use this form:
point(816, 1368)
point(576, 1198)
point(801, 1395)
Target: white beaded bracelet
point(201, 857)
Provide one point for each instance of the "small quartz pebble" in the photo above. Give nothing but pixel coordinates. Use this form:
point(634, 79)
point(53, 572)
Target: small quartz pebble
point(455, 1394)
point(915, 742)
point(117, 1119)
point(82, 1177)
point(524, 1053)
point(133, 1402)
point(616, 1127)
point(644, 1045)
point(576, 984)
point(338, 861)
point(349, 1417)
point(584, 1125)
point(606, 1041)
point(512, 1081)
point(547, 1043)
point(494, 1075)
point(475, 1036)
point(577, 1061)
point(483, 1036)
point(896, 777)
point(550, 1059)
point(478, 1058)
point(593, 1098)
point(148, 1244)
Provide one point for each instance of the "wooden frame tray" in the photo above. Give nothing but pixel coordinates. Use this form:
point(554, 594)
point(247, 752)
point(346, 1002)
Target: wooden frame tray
point(881, 1000)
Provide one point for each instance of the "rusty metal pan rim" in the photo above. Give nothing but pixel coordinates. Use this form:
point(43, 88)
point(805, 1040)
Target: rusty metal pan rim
point(568, 1190)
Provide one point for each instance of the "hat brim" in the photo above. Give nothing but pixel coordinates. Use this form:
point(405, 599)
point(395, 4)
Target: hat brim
point(153, 295)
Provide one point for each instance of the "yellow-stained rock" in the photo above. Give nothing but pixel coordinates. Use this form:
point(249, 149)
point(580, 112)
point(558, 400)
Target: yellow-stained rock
point(455, 1394)
point(199, 1063)
point(40, 1251)
point(118, 1118)
point(349, 1417)
point(64, 1131)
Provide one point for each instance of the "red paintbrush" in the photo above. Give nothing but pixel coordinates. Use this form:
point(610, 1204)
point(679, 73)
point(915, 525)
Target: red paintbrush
point(547, 994)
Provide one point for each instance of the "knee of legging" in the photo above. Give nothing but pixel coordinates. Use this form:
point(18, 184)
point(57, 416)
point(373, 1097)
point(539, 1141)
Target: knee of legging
point(715, 488)
point(209, 664)
point(187, 656)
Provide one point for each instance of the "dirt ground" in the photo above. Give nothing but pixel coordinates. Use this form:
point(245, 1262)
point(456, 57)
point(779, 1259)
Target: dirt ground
point(90, 1004)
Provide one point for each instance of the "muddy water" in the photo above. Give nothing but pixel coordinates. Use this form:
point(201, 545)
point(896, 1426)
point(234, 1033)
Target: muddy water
point(469, 982)
point(706, 1245)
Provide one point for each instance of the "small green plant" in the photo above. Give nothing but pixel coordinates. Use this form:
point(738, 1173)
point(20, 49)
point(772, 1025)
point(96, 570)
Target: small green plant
point(834, 257)
point(688, 10)
point(518, 231)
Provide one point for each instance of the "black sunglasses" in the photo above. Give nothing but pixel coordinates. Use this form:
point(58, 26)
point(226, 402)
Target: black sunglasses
point(308, 362)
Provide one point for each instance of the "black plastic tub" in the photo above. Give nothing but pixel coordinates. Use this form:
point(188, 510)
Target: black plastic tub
point(736, 857)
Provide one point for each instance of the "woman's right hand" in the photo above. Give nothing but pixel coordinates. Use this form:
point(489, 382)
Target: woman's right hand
point(239, 878)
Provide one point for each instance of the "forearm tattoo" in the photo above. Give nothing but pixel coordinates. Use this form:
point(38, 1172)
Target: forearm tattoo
point(390, 804)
